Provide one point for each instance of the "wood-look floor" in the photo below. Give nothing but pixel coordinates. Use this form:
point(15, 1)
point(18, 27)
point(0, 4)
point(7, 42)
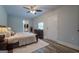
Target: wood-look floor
point(54, 47)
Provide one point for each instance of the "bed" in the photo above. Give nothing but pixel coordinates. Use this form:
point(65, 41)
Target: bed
point(18, 39)
point(21, 39)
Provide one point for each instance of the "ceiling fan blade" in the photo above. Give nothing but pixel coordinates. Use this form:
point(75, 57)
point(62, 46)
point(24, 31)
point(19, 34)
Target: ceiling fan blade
point(26, 8)
point(28, 11)
point(39, 10)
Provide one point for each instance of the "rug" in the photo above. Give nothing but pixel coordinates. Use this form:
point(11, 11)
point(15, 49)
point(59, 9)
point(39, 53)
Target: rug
point(31, 48)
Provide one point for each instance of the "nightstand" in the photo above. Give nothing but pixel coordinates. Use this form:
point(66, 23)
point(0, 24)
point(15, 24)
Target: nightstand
point(3, 45)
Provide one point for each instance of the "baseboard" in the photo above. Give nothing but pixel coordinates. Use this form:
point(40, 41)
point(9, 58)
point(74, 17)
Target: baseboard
point(67, 44)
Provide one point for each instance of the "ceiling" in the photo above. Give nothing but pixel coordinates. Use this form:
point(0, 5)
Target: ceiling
point(18, 10)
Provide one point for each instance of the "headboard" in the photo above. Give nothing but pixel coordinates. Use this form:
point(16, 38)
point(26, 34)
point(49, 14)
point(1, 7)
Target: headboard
point(3, 29)
point(2, 26)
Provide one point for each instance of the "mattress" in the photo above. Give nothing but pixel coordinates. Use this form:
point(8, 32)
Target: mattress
point(22, 37)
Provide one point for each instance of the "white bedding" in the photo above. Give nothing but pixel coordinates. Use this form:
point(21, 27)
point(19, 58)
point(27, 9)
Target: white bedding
point(22, 37)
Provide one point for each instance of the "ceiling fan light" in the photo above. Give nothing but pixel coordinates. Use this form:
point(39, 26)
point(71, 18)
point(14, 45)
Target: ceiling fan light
point(33, 12)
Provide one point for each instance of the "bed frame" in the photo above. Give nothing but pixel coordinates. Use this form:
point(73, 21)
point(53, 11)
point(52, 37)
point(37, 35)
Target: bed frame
point(2, 26)
point(10, 47)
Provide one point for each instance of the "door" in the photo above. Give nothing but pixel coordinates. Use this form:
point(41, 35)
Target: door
point(51, 28)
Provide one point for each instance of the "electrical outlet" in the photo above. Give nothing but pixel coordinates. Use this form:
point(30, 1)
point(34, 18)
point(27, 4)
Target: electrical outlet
point(72, 38)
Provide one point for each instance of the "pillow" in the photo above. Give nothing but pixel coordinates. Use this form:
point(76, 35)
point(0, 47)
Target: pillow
point(8, 34)
point(13, 33)
point(3, 29)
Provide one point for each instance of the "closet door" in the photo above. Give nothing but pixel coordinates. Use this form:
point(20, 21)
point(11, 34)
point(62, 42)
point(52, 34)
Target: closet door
point(51, 27)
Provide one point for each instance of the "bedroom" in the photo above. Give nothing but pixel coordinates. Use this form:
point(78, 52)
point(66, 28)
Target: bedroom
point(57, 24)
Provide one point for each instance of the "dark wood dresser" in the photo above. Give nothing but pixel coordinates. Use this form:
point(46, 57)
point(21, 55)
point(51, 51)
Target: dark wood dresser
point(39, 33)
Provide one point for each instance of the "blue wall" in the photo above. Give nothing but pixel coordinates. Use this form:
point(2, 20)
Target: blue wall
point(3, 16)
point(16, 23)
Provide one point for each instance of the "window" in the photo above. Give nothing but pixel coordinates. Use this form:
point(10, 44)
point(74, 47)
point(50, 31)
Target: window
point(41, 25)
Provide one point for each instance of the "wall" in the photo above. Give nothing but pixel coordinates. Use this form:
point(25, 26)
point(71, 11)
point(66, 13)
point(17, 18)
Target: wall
point(3, 16)
point(64, 29)
point(68, 19)
point(16, 23)
point(50, 24)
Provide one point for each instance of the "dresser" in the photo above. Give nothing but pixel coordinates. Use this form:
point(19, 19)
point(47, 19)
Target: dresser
point(39, 33)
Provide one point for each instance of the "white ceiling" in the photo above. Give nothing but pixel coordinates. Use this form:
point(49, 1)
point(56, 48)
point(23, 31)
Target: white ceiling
point(18, 10)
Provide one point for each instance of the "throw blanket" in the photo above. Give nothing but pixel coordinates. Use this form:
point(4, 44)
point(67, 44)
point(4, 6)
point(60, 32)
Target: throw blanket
point(22, 37)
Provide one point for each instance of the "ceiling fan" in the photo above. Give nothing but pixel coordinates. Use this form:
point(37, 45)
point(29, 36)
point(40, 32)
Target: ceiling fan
point(32, 9)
